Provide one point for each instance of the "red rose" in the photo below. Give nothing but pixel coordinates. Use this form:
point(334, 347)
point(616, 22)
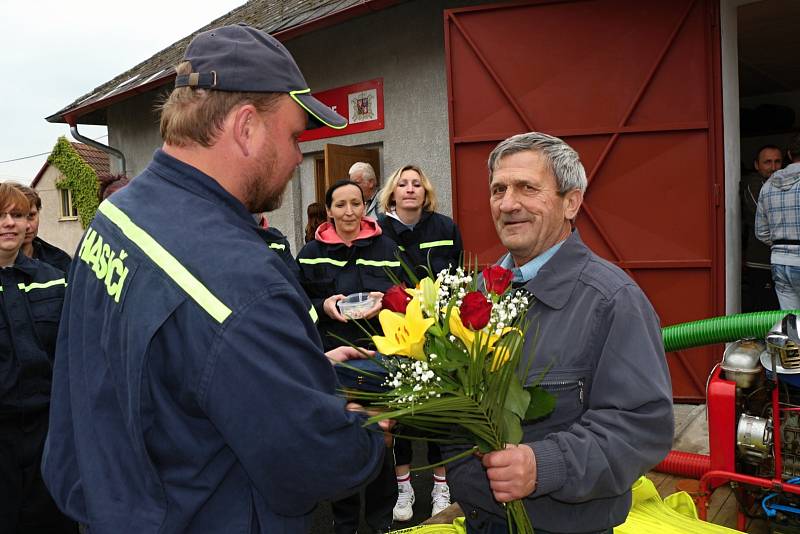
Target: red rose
point(497, 279)
point(475, 310)
point(396, 299)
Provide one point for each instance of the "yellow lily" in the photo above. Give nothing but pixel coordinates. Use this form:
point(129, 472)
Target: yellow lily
point(501, 356)
point(487, 340)
point(403, 335)
point(428, 292)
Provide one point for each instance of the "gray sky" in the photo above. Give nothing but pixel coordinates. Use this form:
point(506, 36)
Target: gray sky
point(56, 51)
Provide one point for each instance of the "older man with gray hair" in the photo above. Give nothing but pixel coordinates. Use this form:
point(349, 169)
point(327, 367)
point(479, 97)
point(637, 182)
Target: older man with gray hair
point(594, 336)
point(364, 175)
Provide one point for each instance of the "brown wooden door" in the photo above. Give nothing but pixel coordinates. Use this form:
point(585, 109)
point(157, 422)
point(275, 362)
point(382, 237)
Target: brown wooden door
point(339, 159)
point(634, 87)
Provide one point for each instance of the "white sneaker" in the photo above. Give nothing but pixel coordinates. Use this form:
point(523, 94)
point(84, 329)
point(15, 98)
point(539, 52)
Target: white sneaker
point(440, 498)
point(404, 509)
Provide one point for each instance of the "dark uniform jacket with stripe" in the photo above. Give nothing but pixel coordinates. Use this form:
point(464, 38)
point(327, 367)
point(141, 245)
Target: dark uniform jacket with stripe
point(51, 254)
point(31, 296)
point(278, 243)
point(191, 393)
point(434, 241)
point(329, 267)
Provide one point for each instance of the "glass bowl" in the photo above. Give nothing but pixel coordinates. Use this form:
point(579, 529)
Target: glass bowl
point(356, 304)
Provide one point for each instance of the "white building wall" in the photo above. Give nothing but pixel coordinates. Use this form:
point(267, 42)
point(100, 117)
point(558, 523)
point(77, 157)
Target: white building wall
point(63, 233)
point(133, 129)
point(730, 127)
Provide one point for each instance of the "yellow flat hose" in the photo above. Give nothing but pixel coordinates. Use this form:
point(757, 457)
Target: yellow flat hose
point(649, 514)
point(676, 514)
point(457, 527)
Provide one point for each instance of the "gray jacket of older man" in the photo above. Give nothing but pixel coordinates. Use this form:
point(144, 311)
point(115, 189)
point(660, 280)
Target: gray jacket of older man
point(613, 417)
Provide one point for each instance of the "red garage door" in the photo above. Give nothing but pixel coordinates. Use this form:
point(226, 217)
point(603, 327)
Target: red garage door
point(634, 87)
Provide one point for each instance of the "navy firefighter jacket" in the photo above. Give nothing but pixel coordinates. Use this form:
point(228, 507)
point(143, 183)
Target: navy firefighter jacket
point(329, 267)
point(190, 392)
point(278, 243)
point(31, 296)
point(433, 242)
point(51, 254)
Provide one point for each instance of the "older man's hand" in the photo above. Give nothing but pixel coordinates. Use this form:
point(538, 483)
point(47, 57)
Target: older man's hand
point(511, 472)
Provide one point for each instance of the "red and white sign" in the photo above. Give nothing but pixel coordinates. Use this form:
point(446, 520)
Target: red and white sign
point(361, 104)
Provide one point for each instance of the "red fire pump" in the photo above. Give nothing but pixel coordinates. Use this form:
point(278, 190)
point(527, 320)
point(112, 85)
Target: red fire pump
point(753, 400)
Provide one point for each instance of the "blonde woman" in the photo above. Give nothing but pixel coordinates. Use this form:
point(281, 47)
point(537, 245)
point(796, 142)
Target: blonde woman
point(428, 240)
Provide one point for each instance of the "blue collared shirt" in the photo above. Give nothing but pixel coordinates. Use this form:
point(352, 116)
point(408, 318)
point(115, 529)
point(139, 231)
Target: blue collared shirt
point(531, 269)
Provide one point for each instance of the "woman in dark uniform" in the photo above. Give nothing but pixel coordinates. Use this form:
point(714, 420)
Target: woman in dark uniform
point(30, 307)
point(348, 255)
point(429, 240)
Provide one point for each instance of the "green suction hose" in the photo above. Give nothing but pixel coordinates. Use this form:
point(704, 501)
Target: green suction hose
point(720, 329)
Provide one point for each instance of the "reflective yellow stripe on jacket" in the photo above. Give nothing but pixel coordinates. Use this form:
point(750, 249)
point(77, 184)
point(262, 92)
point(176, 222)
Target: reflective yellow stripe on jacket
point(317, 261)
point(40, 285)
point(342, 263)
point(167, 262)
point(442, 243)
point(378, 263)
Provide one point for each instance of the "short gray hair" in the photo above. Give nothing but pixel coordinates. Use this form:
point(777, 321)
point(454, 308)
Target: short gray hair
point(365, 169)
point(559, 156)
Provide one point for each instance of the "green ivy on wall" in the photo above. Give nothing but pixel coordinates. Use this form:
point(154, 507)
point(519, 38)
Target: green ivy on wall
point(79, 178)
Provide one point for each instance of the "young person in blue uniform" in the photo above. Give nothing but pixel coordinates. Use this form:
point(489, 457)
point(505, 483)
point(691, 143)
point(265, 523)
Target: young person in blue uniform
point(31, 296)
point(349, 255)
point(428, 240)
point(276, 242)
point(34, 246)
point(191, 392)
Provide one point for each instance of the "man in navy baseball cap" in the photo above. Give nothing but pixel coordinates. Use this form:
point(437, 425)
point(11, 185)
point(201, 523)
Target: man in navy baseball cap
point(240, 58)
point(191, 392)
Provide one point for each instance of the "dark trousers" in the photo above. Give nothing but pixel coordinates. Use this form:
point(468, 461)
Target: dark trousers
point(501, 527)
point(403, 451)
point(25, 504)
point(380, 496)
point(758, 290)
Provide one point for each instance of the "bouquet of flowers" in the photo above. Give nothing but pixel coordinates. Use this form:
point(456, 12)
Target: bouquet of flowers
point(461, 375)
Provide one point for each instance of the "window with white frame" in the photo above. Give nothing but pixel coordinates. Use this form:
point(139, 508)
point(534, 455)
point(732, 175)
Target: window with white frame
point(68, 208)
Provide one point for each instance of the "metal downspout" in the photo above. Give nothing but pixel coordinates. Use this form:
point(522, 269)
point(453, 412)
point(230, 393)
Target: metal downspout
point(105, 148)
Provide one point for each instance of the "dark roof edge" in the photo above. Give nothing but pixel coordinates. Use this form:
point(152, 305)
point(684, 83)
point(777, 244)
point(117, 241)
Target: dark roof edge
point(71, 115)
point(47, 164)
point(39, 174)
